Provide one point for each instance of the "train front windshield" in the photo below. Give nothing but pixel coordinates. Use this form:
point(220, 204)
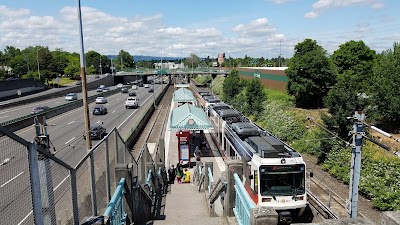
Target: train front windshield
point(282, 180)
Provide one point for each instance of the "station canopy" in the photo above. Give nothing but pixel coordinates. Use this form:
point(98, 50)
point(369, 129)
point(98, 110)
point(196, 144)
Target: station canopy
point(183, 95)
point(188, 117)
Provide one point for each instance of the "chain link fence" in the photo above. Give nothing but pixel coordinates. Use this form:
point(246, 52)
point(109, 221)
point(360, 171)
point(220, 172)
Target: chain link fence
point(38, 188)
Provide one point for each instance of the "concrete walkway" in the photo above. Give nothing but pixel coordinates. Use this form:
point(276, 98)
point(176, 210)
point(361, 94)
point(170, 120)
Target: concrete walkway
point(184, 204)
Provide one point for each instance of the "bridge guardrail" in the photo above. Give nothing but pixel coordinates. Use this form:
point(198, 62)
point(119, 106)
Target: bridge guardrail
point(243, 203)
point(115, 212)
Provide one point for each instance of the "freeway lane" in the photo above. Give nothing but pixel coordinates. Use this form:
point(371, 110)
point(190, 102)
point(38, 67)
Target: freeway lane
point(19, 111)
point(68, 128)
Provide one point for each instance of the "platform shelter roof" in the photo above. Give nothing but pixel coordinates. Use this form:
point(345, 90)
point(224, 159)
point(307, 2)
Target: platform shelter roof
point(183, 95)
point(188, 117)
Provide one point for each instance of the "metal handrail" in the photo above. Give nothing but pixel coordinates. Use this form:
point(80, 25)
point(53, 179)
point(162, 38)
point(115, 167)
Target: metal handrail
point(210, 179)
point(115, 210)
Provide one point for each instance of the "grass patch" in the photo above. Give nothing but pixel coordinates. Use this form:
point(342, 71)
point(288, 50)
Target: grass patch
point(63, 81)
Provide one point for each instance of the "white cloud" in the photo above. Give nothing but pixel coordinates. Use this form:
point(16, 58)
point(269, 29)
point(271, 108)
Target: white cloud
point(311, 15)
point(6, 12)
point(258, 27)
point(322, 5)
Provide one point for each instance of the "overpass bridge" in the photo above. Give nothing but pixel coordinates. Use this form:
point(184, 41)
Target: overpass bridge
point(142, 75)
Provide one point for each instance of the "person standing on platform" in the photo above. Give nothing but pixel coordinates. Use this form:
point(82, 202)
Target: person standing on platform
point(179, 172)
point(197, 153)
point(171, 174)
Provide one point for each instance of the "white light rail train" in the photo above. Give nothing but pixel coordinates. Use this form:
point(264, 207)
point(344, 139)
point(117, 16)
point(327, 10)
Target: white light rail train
point(274, 174)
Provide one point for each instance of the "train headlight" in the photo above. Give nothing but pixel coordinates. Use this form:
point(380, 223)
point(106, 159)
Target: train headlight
point(266, 199)
point(299, 198)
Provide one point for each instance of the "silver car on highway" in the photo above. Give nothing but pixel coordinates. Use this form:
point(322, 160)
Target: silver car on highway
point(101, 100)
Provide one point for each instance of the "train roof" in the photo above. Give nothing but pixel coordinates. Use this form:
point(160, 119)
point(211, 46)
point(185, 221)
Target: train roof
point(219, 106)
point(224, 113)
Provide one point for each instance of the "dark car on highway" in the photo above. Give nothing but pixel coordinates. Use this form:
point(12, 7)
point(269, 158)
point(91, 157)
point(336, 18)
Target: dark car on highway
point(99, 110)
point(96, 132)
point(151, 90)
point(39, 109)
point(132, 93)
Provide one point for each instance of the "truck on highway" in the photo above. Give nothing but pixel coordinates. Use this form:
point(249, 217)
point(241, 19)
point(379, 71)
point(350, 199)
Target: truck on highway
point(131, 102)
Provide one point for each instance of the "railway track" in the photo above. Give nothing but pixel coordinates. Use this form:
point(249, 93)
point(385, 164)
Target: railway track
point(155, 127)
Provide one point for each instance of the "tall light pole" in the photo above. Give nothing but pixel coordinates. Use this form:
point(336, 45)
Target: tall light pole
point(37, 61)
point(162, 81)
point(83, 78)
point(112, 68)
point(101, 71)
point(280, 50)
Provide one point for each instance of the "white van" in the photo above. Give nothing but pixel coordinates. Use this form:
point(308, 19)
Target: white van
point(134, 87)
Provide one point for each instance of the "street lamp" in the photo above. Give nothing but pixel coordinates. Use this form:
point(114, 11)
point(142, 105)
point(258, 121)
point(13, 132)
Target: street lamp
point(101, 71)
point(162, 81)
point(37, 61)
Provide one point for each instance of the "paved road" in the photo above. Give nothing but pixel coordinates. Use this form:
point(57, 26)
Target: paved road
point(19, 111)
point(66, 136)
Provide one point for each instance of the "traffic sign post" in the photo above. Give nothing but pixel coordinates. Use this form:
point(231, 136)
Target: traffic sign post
point(58, 81)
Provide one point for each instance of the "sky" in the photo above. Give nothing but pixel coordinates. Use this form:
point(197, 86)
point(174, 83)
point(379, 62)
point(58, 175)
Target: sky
point(238, 28)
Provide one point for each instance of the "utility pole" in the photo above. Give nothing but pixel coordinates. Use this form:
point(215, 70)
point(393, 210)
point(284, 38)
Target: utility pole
point(355, 169)
point(101, 71)
point(112, 68)
point(122, 65)
point(83, 77)
point(280, 51)
point(37, 60)
point(162, 81)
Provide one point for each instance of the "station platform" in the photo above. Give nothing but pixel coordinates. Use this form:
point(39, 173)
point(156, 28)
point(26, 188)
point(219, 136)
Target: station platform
point(184, 203)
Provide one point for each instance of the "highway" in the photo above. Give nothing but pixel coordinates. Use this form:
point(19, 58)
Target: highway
point(19, 111)
point(65, 133)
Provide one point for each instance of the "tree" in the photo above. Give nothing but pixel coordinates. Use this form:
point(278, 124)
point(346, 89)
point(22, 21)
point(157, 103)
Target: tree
point(93, 60)
point(59, 62)
point(192, 61)
point(19, 66)
point(232, 86)
point(354, 62)
point(385, 96)
point(310, 74)
point(124, 60)
point(73, 69)
point(254, 97)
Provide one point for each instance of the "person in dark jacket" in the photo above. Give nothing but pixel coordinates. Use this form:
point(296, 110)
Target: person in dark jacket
point(171, 174)
point(179, 172)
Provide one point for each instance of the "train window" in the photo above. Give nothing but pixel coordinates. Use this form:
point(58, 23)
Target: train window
point(282, 180)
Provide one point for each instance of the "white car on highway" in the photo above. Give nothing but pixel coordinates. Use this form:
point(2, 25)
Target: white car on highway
point(146, 86)
point(101, 100)
point(120, 85)
point(131, 102)
point(71, 97)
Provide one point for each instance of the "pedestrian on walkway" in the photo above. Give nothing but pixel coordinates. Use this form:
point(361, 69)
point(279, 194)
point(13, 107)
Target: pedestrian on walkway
point(186, 176)
point(171, 174)
point(179, 172)
point(197, 153)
